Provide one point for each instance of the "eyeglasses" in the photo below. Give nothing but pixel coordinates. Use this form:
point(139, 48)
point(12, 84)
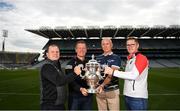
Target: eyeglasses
point(128, 45)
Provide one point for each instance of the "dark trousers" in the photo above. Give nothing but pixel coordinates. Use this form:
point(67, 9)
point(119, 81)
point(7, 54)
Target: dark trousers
point(136, 103)
point(80, 102)
point(51, 106)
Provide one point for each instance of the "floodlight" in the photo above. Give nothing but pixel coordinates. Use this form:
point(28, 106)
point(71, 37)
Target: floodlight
point(142, 26)
point(159, 26)
point(77, 27)
point(126, 26)
point(45, 28)
point(174, 26)
point(109, 27)
point(93, 27)
point(61, 27)
point(5, 33)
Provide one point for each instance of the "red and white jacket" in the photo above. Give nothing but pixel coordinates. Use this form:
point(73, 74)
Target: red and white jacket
point(135, 75)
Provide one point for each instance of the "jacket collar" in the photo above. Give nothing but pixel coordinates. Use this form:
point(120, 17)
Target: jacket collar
point(130, 56)
point(110, 53)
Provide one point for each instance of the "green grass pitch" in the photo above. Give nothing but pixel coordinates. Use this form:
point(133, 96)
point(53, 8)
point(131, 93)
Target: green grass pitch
point(19, 89)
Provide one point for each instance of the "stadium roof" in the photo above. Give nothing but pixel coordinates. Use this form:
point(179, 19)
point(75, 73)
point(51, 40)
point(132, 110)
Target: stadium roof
point(141, 31)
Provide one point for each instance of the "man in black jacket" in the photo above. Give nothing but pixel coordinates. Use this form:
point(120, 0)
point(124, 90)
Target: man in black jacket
point(79, 99)
point(53, 81)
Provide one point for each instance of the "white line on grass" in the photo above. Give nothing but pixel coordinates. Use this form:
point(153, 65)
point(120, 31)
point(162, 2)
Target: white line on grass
point(19, 94)
point(165, 94)
point(31, 94)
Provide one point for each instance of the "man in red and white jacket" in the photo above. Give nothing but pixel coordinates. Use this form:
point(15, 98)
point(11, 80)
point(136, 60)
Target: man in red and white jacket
point(135, 75)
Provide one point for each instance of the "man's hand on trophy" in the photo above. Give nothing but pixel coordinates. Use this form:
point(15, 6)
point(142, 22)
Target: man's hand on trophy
point(108, 70)
point(100, 88)
point(84, 91)
point(77, 70)
point(114, 67)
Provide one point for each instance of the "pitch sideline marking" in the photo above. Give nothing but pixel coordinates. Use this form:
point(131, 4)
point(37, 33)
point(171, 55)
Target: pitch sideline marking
point(19, 94)
point(153, 94)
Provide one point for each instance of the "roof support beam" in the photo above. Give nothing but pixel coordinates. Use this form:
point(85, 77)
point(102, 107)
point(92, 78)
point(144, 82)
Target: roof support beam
point(57, 33)
point(100, 36)
point(131, 32)
point(160, 33)
point(71, 33)
point(145, 32)
point(117, 29)
point(85, 31)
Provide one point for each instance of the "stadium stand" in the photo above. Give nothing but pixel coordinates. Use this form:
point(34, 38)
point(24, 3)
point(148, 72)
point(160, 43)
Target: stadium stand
point(159, 43)
point(17, 59)
point(153, 63)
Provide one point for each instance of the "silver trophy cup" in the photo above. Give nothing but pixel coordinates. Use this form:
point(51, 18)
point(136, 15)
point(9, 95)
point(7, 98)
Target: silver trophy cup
point(92, 74)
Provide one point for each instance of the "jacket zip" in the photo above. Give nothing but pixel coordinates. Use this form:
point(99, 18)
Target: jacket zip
point(133, 85)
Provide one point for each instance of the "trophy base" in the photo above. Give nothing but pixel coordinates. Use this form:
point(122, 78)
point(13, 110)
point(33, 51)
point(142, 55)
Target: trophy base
point(91, 91)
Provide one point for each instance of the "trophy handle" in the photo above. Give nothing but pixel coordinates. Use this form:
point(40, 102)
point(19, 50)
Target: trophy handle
point(99, 75)
point(81, 66)
point(102, 70)
point(83, 76)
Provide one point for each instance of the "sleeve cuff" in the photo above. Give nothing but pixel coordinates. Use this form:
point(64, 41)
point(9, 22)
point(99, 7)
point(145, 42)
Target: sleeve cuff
point(113, 73)
point(116, 73)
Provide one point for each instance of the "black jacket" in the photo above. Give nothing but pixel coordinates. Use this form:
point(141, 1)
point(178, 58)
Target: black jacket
point(74, 87)
point(53, 83)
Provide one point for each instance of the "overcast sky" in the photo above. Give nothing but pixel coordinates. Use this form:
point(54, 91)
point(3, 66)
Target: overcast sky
point(17, 15)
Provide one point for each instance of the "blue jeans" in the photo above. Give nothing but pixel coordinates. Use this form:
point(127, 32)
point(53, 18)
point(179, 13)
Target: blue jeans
point(136, 103)
point(80, 103)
